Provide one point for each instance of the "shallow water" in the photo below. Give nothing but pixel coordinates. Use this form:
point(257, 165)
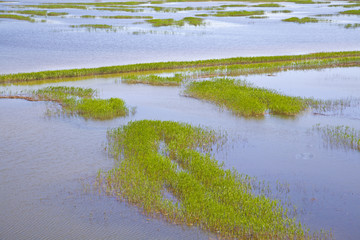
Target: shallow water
point(28, 47)
point(49, 164)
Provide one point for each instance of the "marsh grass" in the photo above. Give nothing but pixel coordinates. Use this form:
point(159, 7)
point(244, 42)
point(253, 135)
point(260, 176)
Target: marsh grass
point(281, 11)
point(352, 26)
point(237, 13)
point(79, 101)
point(127, 17)
point(193, 21)
point(17, 17)
point(301, 20)
point(340, 136)
point(351, 12)
point(94, 26)
point(228, 66)
point(166, 170)
point(244, 99)
point(154, 80)
point(267, 5)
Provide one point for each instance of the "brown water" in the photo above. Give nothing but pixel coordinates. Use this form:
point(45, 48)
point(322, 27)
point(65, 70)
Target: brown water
point(48, 164)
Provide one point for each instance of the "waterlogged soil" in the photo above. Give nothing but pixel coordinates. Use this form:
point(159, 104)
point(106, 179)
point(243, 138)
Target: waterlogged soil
point(53, 44)
point(49, 164)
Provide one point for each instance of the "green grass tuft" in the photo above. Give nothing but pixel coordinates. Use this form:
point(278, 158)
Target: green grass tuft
point(244, 99)
point(154, 80)
point(301, 20)
point(237, 13)
point(351, 12)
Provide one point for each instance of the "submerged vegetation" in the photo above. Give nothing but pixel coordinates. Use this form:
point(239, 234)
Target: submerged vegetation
point(340, 136)
point(229, 66)
point(301, 20)
point(165, 168)
point(243, 99)
point(92, 26)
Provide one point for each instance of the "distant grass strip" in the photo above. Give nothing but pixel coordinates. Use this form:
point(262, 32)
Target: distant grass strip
point(92, 26)
point(352, 26)
point(79, 101)
point(340, 136)
point(240, 64)
point(17, 17)
point(57, 6)
point(243, 99)
point(165, 169)
point(268, 5)
point(128, 17)
point(301, 20)
point(351, 12)
point(193, 21)
point(237, 13)
point(154, 80)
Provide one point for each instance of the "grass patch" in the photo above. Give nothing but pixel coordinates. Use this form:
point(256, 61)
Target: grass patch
point(281, 11)
point(33, 12)
point(237, 13)
point(81, 101)
point(243, 99)
point(88, 16)
point(352, 26)
point(92, 26)
point(233, 5)
point(193, 21)
point(351, 12)
point(301, 20)
point(17, 17)
point(340, 136)
point(258, 17)
point(268, 5)
point(154, 80)
point(128, 17)
point(57, 6)
point(239, 65)
point(55, 14)
point(166, 170)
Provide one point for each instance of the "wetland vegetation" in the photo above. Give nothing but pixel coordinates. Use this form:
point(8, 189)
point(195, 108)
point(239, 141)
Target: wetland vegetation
point(301, 20)
point(154, 80)
point(239, 66)
point(78, 101)
point(340, 136)
point(244, 99)
point(165, 168)
point(17, 17)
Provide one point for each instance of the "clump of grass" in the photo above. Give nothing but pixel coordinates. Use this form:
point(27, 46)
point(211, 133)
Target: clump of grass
point(165, 169)
point(233, 5)
point(154, 80)
point(57, 6)
point(202, 15)
point(353, 26)
point(281, 11)
point(258, 17)
point(88, 16)
point(81, 101)
point(17, 17)
point(340, 136)
point(93, 26)
point(33, 12)
point(55, 14)
point(237, 13)
point(351, 12)
point(268, 5)
point(243, 99)
point(301, 20)
point(194, 21)
point(128, 17)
